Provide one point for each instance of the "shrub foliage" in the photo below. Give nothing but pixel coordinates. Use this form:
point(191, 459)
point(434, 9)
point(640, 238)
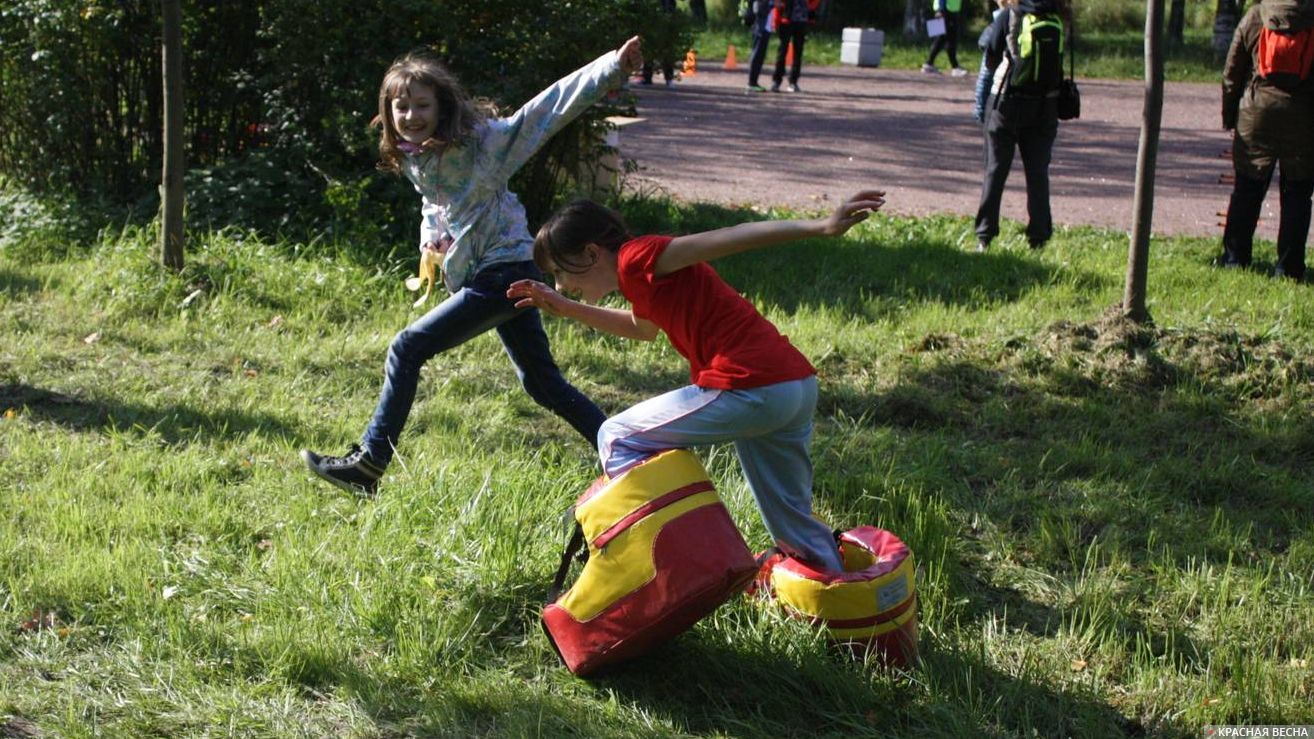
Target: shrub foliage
point(292, 81)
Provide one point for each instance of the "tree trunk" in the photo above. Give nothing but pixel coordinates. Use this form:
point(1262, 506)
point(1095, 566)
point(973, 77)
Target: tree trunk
point(1177, 23)
point(171, 185)
point(1138, 257)
point(914, 19)
point(1225, 20)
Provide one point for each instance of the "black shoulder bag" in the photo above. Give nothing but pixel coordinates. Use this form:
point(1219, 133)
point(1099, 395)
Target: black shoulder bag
point(1069, 99)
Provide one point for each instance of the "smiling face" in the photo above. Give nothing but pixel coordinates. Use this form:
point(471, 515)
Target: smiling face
point(415, 113)
point(592, 284)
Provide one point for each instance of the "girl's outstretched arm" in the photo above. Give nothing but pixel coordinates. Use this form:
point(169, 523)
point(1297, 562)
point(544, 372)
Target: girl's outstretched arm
point(534, 294)
point(509, 142)
point(684, 251)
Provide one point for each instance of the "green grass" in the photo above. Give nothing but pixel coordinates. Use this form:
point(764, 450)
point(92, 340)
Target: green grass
point(1114, 526)
point(1102, 55)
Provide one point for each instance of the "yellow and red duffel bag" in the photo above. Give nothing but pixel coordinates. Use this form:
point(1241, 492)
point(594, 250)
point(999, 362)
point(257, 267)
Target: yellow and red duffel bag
point(662, 553)
point(871, 606)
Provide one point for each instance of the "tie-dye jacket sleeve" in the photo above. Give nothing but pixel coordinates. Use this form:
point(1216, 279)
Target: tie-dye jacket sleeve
point(510, 142)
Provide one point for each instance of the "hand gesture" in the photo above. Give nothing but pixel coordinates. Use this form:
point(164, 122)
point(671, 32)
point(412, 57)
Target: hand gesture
point(853, 211)
point(438, 247)
point(534, 294)
point(631, 56)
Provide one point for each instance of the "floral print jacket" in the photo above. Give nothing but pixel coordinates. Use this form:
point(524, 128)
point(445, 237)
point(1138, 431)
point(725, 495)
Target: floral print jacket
point(464, 188)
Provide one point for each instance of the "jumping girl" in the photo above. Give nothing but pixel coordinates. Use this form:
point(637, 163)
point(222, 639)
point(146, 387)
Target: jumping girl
point(749, 385)
point(459, 157)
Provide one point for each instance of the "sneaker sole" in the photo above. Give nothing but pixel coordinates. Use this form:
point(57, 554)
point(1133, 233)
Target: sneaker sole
point(352, 488)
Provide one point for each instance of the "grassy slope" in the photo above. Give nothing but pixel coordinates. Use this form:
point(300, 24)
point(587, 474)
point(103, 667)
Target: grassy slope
point(1113, 526)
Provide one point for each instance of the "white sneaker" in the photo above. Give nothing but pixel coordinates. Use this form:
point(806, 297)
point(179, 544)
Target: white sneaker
point(959, 72)
point(930, 69)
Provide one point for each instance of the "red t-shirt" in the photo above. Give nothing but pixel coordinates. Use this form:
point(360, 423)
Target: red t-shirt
point(729, 344)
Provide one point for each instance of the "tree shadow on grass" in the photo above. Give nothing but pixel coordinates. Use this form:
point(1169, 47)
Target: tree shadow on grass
point(176, 425)
point(701, 685)
point(1057, 461)
point(867, 277)
point(1027, 449)
point(13, 283)
point(770, 692)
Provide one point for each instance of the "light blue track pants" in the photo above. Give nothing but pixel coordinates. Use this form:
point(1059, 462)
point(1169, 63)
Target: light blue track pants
point(771, 428)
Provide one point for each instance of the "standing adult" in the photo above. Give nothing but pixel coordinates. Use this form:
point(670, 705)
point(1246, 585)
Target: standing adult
point(792, 18)
point(949, 11)
point(1023, 49)
point(1268, 101)
point(761, 39)
point(667, 62)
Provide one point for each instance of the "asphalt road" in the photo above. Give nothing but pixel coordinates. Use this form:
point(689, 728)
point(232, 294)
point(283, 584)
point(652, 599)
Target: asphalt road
point(913, 135)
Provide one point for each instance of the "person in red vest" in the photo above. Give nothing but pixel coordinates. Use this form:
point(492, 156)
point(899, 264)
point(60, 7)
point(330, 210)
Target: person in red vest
point(1268, 102)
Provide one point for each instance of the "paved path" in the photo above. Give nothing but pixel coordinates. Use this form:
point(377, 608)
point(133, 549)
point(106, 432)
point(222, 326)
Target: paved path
point(914, 136)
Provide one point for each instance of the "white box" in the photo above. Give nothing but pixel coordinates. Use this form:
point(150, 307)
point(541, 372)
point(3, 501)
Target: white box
point(862, 46)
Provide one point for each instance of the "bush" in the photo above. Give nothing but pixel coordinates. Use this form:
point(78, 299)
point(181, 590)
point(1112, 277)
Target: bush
point(41, 228)
point(287, 84)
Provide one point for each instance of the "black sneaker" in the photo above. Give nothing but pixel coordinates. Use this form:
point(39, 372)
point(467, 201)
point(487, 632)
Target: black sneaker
point(355, 472)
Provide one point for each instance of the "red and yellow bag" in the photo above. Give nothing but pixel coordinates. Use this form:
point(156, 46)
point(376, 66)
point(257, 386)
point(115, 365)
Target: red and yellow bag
point(871, 606)
point(662, 553)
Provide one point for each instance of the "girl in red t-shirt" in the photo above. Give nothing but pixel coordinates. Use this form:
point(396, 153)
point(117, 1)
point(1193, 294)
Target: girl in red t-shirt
point(749, 385)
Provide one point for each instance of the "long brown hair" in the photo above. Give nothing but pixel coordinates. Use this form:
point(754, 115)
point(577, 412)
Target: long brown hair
point(458, 113)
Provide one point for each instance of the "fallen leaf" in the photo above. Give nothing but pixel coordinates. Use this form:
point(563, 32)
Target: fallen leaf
point(1078, 665)
point(1212, 701)
point(1302, 663)
point(91, 338)
point(264, 544)
point(251, 373)
point(169, 591)
point(39, 620)
point(11, 413)
point(275, 322)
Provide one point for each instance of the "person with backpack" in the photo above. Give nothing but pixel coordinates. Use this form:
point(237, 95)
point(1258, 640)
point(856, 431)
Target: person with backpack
point(949, 11)
point(791, 21)
point(1023, 50)
point(1268, 103)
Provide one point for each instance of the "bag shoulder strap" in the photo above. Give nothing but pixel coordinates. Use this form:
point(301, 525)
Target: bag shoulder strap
point(1072, 48)
point(573, 547)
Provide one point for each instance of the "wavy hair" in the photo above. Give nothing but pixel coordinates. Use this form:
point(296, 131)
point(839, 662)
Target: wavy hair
point(458, 113)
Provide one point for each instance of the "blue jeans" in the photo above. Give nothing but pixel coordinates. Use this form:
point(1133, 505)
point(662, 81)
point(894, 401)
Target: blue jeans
point(471, 311)
point(771, 428)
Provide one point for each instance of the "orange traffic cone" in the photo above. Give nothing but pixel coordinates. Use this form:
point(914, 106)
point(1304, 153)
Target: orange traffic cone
point(789, 56)
point(730, 56)
point(691, 63)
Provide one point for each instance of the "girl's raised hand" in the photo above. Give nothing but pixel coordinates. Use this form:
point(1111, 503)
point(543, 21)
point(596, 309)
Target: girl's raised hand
point(631, 55)
point(534, 294)
point(853, 211)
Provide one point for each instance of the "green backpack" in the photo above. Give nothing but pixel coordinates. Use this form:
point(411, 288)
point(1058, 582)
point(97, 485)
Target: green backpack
point(1038, 68)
